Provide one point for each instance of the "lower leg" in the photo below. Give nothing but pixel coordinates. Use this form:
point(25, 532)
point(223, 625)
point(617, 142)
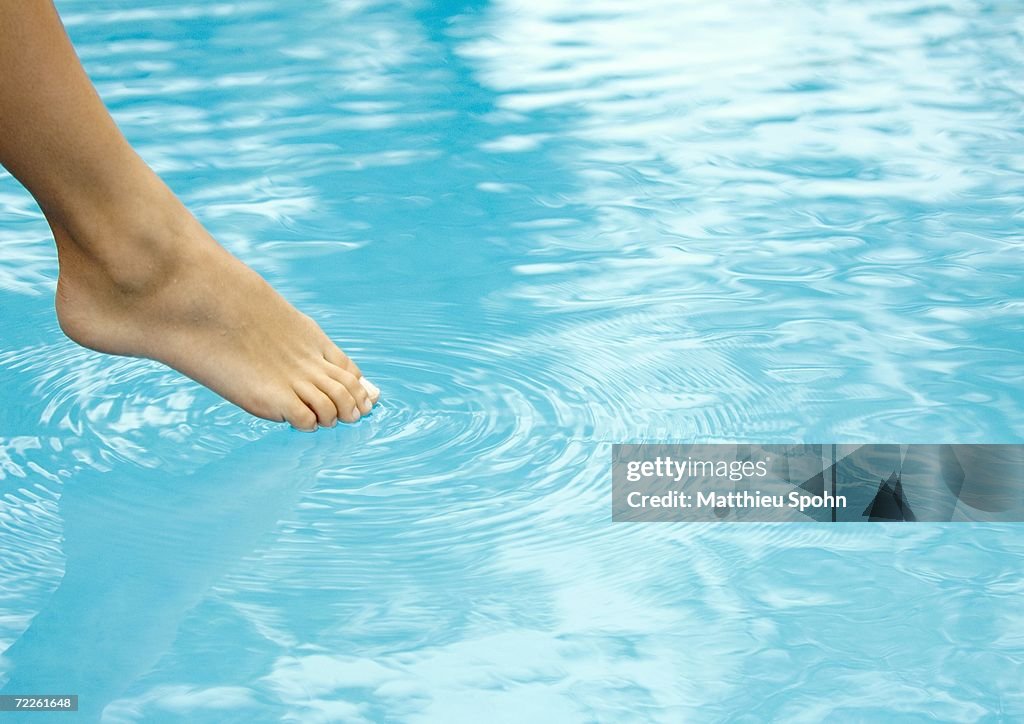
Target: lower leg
point(58, 139)
point(138, 274)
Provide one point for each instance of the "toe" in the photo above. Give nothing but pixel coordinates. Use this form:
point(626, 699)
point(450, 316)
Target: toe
point(298, 415)
point(318, 402)
point(354, 388)
point(342, 399)
point(371, 389)
point(339, 359)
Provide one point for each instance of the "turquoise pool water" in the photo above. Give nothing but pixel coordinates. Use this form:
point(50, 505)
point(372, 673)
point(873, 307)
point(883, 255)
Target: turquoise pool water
point(541, 228)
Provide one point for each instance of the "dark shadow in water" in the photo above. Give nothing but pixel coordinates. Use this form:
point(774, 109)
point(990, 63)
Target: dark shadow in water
point(141, 551)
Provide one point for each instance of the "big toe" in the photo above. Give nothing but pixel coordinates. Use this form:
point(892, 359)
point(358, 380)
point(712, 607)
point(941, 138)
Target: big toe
point(371, 389)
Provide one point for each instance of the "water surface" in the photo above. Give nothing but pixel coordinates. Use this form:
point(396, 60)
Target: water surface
point(540, 228)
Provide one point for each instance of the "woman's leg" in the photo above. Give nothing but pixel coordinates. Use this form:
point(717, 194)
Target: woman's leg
point(138, 274)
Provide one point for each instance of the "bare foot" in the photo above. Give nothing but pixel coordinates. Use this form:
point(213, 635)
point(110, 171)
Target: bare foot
point(173, 294)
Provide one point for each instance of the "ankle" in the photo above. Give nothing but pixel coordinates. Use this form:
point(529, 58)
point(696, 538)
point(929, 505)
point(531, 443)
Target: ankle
point(138, 247)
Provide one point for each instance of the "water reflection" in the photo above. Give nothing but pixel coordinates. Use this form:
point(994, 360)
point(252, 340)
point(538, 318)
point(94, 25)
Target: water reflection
point(141, 549)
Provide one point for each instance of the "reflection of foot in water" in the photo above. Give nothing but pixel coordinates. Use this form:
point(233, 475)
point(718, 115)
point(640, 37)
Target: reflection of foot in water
point(142, 549)
point(138, 274)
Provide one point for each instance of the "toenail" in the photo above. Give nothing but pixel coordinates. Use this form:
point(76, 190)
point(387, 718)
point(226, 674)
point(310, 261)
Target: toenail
point(355, 413)
point(371, 388)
